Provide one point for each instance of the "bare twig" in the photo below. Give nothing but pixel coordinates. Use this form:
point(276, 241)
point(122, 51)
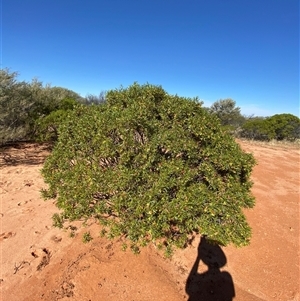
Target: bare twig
point(20, 266)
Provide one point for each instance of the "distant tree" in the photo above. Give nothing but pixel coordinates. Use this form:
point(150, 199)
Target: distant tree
point(228, 113)
point(94, 99)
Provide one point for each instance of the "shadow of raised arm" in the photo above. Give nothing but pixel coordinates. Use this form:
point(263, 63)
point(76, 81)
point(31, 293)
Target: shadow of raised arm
point(212, 285)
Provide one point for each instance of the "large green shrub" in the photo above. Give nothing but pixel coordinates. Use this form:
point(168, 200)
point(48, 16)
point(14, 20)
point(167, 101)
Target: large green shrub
point(152, 167)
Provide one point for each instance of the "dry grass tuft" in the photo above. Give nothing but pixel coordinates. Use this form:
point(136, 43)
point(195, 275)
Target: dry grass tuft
point(273, 143)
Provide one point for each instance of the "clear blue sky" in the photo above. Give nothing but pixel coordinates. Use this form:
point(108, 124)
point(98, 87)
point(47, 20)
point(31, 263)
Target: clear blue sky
point(247, 50)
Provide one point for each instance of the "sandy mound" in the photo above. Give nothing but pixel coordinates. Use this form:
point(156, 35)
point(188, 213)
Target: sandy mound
point(39, 262)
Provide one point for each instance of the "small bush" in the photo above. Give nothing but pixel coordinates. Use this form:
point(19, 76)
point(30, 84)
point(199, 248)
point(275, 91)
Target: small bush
point(152, 167)
point(46, 127)
point(86, 237)
point(57, 220)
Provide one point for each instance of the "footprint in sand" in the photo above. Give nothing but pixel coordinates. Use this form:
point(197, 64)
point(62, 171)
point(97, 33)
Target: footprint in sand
point(23, 203)
point(28, 183)
point(28, 210)
point(45, 256)
point(6, 235)
point(56, 238)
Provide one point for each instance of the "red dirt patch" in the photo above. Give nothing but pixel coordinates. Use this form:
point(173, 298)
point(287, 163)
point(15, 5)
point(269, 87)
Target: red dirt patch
point(39, 262)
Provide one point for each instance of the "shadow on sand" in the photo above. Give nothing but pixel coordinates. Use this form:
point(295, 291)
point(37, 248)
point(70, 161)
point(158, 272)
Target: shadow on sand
point(24, 153)
point(213, 284)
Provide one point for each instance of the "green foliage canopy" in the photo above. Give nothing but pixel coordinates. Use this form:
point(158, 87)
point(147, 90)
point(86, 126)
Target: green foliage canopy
point(46, 126)
point(152, 167)
point(257, 129)
point(15, 105)
point(279, 127)
point(23, 106)
point(228, 113)
point(285, 126)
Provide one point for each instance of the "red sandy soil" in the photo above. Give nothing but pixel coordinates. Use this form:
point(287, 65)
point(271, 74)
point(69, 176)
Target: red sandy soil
point(39, 262)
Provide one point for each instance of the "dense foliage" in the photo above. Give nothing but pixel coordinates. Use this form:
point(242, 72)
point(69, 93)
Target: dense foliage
point(229, 114)
point(15, 105)
point(279, 127)
point(33, 111)
point(151, 167)
point(23, 106)
point(46, 126)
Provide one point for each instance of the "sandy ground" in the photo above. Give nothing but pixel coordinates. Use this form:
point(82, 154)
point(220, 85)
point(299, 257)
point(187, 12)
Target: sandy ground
point(39, 262)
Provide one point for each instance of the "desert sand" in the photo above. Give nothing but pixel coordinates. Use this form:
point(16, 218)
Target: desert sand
point(40, 262)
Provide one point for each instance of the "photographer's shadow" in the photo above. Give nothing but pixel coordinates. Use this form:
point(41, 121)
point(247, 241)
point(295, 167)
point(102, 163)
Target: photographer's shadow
point(212, 285)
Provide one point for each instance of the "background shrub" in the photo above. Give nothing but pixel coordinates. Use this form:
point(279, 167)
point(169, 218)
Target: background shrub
point(15, 105)
point(46, 127)
point(279, 127)
point(152, 167)
point(228, 113)
point(24, 106)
